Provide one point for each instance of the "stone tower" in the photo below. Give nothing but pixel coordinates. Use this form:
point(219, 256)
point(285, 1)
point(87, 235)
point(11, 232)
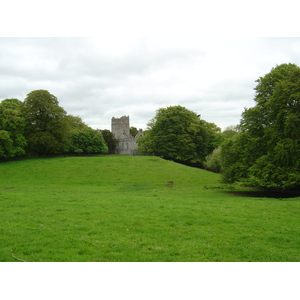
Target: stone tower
point(120, 127)
point(126, 142)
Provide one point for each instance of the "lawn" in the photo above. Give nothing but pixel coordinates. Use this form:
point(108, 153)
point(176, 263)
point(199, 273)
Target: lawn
point(137, 208)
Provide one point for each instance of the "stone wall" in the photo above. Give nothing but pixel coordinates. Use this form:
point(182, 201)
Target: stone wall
point(120, 127)
point(126, 146)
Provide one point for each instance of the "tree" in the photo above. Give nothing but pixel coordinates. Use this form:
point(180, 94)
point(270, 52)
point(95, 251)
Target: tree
point(230, 131)
point(46, 123)
point(110, 140)
point(12, 123)
point(267, 152)
point(75, 122)
point(6, 144)
point(213, 161)
point(82, 138)
point(133, 131)
point(179, 134)
point(87, 141)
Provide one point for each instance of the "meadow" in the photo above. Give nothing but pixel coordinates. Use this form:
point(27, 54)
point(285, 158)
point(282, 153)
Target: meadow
point(138, 209)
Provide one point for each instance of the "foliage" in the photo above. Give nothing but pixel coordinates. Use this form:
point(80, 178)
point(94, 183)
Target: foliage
point(40, 126)
point(267, 152)
point(5, 144)
point(45, 123)
point(179, 134)
point(133, 131)
point(230, 131)
point(12, 123)
point(213, 161)
point(87, 141)
point(110, 140)
point(75, 123)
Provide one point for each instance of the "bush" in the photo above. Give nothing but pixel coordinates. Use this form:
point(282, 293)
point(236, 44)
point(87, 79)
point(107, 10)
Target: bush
point(213, 161)
point(87, 141)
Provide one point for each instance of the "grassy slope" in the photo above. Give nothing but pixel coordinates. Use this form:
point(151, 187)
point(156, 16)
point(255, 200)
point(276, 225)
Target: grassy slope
point(119, 208)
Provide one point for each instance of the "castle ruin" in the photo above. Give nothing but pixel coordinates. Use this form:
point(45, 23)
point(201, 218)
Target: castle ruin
point(121, 130)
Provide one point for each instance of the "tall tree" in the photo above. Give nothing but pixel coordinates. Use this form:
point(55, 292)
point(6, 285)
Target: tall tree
point(179, 134)
point(12, 123)
point(110, 140)
point(45, 126)
point(75, 123)
point(267, 152)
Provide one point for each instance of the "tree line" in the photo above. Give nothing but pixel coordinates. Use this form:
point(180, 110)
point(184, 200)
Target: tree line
point(40, 126)
point(262, 151)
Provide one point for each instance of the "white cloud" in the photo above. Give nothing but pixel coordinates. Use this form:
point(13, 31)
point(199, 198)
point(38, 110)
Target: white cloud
point(98, 78)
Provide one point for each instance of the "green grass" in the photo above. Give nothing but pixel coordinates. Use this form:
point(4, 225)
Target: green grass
point(121, 208)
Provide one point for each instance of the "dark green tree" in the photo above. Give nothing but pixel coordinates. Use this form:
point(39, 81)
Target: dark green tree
point(133, 131)
point(46, 127)
point(213, 161)
point(6, 144)
point(110, 140)
point(267, 152)
point(179, 134)
point(12, 123)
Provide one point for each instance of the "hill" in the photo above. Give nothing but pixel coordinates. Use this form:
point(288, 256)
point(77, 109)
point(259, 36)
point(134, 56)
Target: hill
point(125, 208)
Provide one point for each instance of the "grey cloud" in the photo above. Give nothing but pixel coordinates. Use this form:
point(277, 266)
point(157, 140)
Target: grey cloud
point(101, 78)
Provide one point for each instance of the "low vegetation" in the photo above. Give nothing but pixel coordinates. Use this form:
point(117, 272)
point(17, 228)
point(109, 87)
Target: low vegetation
point(124, 208)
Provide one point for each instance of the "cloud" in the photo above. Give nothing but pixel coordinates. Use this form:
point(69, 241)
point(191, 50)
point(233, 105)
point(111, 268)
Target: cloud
point(98, 78)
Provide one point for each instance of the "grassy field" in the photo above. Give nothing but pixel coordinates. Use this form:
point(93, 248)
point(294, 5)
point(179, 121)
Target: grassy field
point(124, 208)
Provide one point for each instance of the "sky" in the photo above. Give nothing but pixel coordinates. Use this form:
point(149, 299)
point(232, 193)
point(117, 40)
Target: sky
point(138, 58)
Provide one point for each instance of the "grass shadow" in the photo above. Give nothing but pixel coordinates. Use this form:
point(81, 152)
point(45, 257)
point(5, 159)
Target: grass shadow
point(265, 194)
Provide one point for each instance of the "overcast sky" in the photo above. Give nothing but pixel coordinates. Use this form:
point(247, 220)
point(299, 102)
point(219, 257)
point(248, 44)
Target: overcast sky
point(142, 63)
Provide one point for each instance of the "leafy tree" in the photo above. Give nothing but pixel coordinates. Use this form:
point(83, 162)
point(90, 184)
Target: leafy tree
point(211, 137)
point(12, 123)
point(133, 131)
point(230, 131)
point(179, 134)
point(267, 152)
point(87, 141)
point(237, 155)
point(110, 140)
point(6, 144)
point(82, 138)
point(46, 123)
point(75, 122)
point(213, 161)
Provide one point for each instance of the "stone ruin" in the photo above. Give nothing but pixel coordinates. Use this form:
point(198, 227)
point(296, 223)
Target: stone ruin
point(126, 144)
